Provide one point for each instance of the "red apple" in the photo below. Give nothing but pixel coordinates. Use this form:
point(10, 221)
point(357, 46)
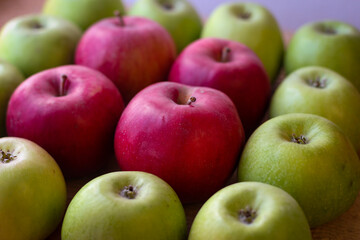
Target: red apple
point(133, 52)
point(190, 137)
point(70, 111)
point(230, 67)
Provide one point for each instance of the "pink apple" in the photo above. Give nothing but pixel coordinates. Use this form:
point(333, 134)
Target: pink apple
point(190, 137)
point(133, 52)
point(70, 111)
point(230, 67)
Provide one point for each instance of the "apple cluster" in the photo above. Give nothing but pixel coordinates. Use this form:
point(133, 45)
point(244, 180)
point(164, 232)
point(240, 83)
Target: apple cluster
point(180, 105)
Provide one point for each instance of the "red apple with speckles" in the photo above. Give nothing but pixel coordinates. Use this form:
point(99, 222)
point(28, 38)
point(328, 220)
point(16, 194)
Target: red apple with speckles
point(133, 52)
point(189, 136)
point(70, 111)
point(230, 67)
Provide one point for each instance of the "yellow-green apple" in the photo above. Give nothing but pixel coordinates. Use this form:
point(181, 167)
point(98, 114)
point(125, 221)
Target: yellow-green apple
point(10, 78)
point(35, 42)
point(309, 157)
point(32, 191)
point(250, 211)
point(252, 25)
point(83, 13)
point(133, 52)
point(190, 137)
point(125, 205)
point(320, 91)
point(330, 44)
point(71, 111)
point(178, 17)
point(230, 67)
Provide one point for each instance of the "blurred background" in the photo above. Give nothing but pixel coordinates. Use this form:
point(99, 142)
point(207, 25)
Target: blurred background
point(290, 14)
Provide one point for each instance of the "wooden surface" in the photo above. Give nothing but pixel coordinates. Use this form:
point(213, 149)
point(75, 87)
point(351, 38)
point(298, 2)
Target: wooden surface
point(346, 227)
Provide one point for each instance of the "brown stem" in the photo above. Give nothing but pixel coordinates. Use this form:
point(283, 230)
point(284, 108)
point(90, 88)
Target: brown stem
point(64, 79)
point(191, 100)
point(225, 54)
point(120, 17)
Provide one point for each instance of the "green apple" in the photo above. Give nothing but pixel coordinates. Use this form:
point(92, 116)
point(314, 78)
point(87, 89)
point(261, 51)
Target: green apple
point(36, 42)
point(252, 25)
point(178, 17)
point(250, 211)
point(323, 92)
point(309, 157)
point(32, 191)
point(83, 13)
point(125, 205)
point(330, 44)
point(10, 78)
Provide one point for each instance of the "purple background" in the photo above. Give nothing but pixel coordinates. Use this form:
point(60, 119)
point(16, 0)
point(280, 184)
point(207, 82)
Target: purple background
point(291, 14)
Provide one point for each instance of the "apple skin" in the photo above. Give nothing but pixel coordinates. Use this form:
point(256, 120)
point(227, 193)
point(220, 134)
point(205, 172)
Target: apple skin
point(277, 215)
point(193, 147)
point(83, 13)
point(174, 16)
point(77, 128)
point(35, 42)
point(323, 175)
point(338, 100)
point(100, 211)
point(133, 56)
point(242, 77)
point(32, 191)
point(331, 44)
point(252, 25)
point(10, 78)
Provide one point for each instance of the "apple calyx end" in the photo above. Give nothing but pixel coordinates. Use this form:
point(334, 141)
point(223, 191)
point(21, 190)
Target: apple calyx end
point(327, 30)
point(225, 53)
point(64, 79)
point(191, 100)
point(129, 192)
point(299, 140)
point(167, 6)
point(317, 82)
point(120, 17)
point(6, 157)
point(247, 215)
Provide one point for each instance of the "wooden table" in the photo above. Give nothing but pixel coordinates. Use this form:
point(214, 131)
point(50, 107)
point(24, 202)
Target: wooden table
point(346, 227)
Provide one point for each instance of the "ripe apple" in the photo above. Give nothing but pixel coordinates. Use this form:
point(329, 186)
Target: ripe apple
point(320, 91)
point(125, 205)
point(230, 67)
point(83, 13)
point(252, 25)
point(71, 111)
point(250, 210)
point(133, 52)
point(10, 78)
point(178, 17)
point(32, 190)
point(188, 136)
point(35, 42)
point(330, 44)
point(309, 157)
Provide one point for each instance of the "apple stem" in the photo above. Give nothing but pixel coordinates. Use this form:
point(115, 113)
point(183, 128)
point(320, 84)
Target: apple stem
point(6, 157)
point(225, 54)
point(120, 17)
point(64, 79)
point(191, 100)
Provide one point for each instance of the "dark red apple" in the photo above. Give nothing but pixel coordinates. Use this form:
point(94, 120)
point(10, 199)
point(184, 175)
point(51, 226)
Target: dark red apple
point(230, 67)
point(190, 137)
point(72, 112)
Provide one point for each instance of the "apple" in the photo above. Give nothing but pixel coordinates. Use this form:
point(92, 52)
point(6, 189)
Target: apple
point(230, 67)
point(32, 190)
point(252, 25)
point(133, 52)
point(125, 205)
point(323, 92)
point(83, 13)
point(188, 136)
point(10, 78)
point(250, 210)
point(309, 157)
point(331, 44)
point(178, 17)
point(71, 111)
point(35, 42)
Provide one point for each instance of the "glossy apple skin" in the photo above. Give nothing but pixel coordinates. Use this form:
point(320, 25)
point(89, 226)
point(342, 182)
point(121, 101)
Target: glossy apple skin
point(243, 77)
point(32, 191)
point(278, 215)
point(99, 211)
point(192, 147)
point(77, 128)
point(132, 56)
